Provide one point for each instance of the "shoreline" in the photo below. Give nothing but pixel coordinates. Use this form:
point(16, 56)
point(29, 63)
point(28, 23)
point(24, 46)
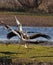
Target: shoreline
point(28, 20)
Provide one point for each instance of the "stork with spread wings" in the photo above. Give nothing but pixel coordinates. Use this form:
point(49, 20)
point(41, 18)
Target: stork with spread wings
point(24, 37)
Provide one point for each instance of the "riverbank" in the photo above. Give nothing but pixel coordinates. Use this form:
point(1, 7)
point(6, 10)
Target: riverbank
point(27, 20)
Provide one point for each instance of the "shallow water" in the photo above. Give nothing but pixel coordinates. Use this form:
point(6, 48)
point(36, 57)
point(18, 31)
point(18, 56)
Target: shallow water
point(30, 30)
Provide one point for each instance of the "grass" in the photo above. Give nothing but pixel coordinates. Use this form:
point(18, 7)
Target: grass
point(33, 52)
point(26, 13)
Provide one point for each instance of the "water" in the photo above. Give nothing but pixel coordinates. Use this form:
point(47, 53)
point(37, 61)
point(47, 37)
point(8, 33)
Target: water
point(30, 30)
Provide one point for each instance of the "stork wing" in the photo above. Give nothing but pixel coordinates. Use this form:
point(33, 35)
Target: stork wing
point(19, 24)
point(13, 31)
point(12, 34)
point(33, 41)
point(39, 35)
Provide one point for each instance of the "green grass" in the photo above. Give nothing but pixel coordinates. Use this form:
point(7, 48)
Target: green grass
point(33, 52)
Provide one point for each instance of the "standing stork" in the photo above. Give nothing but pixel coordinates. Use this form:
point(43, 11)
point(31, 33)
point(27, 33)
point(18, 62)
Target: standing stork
point(24, 37)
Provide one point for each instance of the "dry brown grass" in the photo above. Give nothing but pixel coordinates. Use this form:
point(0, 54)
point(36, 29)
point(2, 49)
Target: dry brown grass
point(28, 20)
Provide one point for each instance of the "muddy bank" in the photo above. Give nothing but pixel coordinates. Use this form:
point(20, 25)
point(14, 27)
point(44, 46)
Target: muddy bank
point(28, 20)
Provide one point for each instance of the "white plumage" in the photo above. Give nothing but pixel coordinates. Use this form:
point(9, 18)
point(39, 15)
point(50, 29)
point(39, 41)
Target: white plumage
point(24, 38)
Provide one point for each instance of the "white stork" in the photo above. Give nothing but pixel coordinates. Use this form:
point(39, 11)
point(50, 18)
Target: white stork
point(24, 38)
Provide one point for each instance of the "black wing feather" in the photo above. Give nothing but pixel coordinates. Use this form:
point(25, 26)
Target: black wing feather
point(10, 35)
point(39, 35)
